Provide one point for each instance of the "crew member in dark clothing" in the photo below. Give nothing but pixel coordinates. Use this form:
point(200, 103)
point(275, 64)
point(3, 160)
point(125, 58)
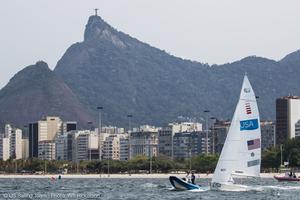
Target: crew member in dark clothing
point(193, 178)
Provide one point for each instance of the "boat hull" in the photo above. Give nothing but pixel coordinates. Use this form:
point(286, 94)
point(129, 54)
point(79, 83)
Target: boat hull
point(180, 184)
point(230, 187)
point(282, 178)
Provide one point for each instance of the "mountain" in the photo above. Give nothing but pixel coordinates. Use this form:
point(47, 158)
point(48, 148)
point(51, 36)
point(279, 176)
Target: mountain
point(125, 76)
point(35, 92)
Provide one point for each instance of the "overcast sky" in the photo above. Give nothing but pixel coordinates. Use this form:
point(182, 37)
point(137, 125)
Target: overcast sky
point(209, 31)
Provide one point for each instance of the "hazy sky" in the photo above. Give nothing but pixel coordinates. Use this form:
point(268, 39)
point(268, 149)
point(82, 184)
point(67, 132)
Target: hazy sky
point(209, 31)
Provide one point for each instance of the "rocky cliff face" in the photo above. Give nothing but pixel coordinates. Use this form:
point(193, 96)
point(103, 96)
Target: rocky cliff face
point(126, 76)
point(36, 92)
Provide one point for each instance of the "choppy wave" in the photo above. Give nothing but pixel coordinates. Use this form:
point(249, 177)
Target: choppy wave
point(278, 187)
point(137, 189)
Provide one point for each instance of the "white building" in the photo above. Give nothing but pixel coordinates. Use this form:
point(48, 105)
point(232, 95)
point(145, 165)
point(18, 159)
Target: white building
point(115, 147)
point(46, 150)
point(297, 129)
point(15, 139)
point(45, 129)
point(112, 130)
point(61, 147)
point(49, 128)
point(144, 142)
point(8, 130)
point(14, 147)
point(166, 135)
point(25, 148)
point(85, 146)
point(111, 148)
point(4, 149)
point(185, 127)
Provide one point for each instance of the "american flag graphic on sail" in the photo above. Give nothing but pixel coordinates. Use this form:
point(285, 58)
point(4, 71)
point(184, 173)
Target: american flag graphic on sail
point(253, 144)
point(248, 108)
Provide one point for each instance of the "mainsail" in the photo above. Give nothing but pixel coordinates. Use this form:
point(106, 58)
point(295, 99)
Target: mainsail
point(241, 153)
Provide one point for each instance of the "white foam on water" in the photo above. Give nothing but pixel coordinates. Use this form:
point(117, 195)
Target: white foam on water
point(276, 187)
point(199, 190)
point(149, 185)
point(172, 189)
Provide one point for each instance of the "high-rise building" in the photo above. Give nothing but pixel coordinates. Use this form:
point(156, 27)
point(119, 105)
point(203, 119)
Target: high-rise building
point(268, 136)
point(112, 130)
point(4, 148)
point(61, 147)
point(46, 150)
point(80, 146)
point(14, 149)
point(111, 148)
point(144, 141)
point(69, 126)
point(166, 134)
point(33, 137)
point(46, 129)
point(93, 148)
point(8, 130)
point(25, 148)
point(115, 147)
point(15, 140)
point(287, 115)
point(124, 147)
point(189, 144)
point(297, 129)
point(84, 146)
point(219, 133)
point(165, 142)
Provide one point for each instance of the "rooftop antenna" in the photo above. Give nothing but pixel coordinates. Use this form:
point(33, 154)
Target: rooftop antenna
point(96, 11)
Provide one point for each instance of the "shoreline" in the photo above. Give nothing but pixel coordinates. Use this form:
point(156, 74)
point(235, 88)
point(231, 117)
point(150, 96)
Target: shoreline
point(113, 176)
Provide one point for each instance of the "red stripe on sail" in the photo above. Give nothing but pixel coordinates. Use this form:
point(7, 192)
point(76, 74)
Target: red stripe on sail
point(248, 109)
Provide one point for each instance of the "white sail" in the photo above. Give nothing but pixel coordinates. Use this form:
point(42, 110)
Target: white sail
point(241, 153)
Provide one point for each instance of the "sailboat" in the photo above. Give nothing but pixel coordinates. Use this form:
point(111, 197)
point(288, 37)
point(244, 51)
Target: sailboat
point(241, 153)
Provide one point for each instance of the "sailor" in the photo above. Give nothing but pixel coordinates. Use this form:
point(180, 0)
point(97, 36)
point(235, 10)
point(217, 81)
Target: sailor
point(193, 177)
point(188, 177)
point(286, 174)
point(290, 174)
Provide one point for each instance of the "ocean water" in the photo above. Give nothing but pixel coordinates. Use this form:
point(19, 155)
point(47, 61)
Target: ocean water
point(136, 189)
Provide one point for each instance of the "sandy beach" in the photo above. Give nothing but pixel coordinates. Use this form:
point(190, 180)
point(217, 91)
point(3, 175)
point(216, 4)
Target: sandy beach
point(116, 176)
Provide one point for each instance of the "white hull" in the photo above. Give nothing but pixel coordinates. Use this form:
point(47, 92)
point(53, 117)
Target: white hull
point(230, 187)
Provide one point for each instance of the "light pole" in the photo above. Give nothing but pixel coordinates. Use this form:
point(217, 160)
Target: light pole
point(206, 130)
point(281, 155)
point(129, 132)
point(99, 132)
point(213, 134)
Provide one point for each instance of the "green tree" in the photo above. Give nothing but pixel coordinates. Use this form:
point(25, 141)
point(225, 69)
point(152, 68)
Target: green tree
point(271, 158)
point(204, 163)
